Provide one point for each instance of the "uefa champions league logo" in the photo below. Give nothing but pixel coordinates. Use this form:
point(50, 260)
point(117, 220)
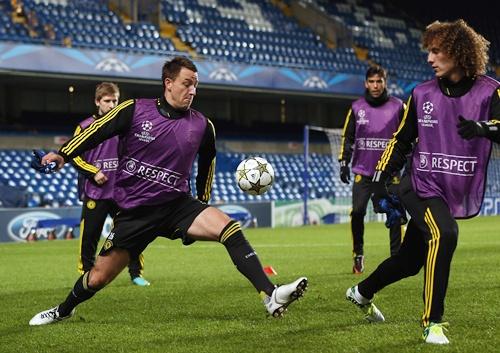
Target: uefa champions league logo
point(222, 74)
point(362, 117)
point(145, 135)
point(315, 82)
point(428, 107)
point(147, 125)
point(427, 119)
point(112, 64)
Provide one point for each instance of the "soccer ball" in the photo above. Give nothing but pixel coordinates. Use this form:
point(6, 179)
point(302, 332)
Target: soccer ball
point(255, 175)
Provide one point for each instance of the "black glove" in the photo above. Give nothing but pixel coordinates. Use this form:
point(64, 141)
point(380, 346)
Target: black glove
point(392, 207)
point(345, 173)
point(36, 163)
point(469, 129)
point(379, 192)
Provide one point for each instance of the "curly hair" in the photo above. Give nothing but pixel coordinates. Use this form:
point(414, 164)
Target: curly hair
point(460, 42)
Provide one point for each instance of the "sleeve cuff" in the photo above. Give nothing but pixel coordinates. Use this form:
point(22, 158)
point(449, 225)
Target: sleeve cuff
point(381, 176)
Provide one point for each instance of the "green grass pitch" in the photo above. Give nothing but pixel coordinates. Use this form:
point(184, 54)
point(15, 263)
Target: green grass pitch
point(198, 301)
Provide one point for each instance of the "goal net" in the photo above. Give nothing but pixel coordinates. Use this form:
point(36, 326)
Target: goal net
point(326, 199)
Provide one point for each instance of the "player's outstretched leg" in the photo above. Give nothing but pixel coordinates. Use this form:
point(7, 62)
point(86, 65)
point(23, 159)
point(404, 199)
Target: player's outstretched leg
point(108, 265)
point(372, 314)
point(284, 295)
point(80, 293)
point(276, 298)
point(49, 316)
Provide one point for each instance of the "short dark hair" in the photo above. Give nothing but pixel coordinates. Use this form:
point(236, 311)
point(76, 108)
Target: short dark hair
point(376, 70)
point(172, 68)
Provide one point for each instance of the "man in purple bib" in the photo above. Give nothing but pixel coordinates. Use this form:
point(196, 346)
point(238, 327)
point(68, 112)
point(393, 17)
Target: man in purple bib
point(368, 127)
point(159, 140)
point(97, 169)
point(451, 121)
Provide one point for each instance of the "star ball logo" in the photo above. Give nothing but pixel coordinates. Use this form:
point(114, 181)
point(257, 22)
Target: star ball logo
point(315, 82)
point(362, 117)
point(147, 125)
point(427, 119)
point(428, 107)
point(145, 135)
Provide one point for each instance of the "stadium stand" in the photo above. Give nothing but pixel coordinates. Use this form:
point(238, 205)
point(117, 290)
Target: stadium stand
point(85, 24)
point(255, 33)
point(251, 32)
point(389, 40)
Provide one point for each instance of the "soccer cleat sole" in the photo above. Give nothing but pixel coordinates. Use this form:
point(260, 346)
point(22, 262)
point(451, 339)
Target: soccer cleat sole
point(295, 295)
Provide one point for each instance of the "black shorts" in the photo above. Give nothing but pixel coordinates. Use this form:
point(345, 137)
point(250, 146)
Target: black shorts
point(134, 229)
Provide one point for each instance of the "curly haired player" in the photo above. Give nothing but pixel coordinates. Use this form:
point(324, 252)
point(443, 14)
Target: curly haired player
point(451, 121)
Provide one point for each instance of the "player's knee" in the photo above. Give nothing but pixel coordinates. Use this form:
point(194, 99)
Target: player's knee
point(413, 269)
point(409, 266)
point(449, 237)
point(231, 233)
point(98, 279)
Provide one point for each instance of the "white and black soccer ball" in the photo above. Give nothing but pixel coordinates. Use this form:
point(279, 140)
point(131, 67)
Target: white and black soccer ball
point(255, 175)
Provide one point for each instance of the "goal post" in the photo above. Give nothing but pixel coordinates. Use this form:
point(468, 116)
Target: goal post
point(328, 178)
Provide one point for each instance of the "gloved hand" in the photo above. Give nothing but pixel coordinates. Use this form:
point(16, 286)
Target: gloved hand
point(392, 207)
point(469, 129)
point(379, 192)
point(36, 163)
point(345, 173)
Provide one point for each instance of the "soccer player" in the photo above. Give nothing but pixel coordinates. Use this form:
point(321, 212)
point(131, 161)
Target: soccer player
point(370, 123)
point(453, 118)
point(97, 168)
point(159, 140)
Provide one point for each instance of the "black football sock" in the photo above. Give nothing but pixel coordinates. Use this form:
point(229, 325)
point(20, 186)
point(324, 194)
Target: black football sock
point(358, 230)
point(80, 293)
point(245, 258)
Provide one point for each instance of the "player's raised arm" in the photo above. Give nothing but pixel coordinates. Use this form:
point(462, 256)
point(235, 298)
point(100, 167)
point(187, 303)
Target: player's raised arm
point(80, 164)
point(113, 123)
